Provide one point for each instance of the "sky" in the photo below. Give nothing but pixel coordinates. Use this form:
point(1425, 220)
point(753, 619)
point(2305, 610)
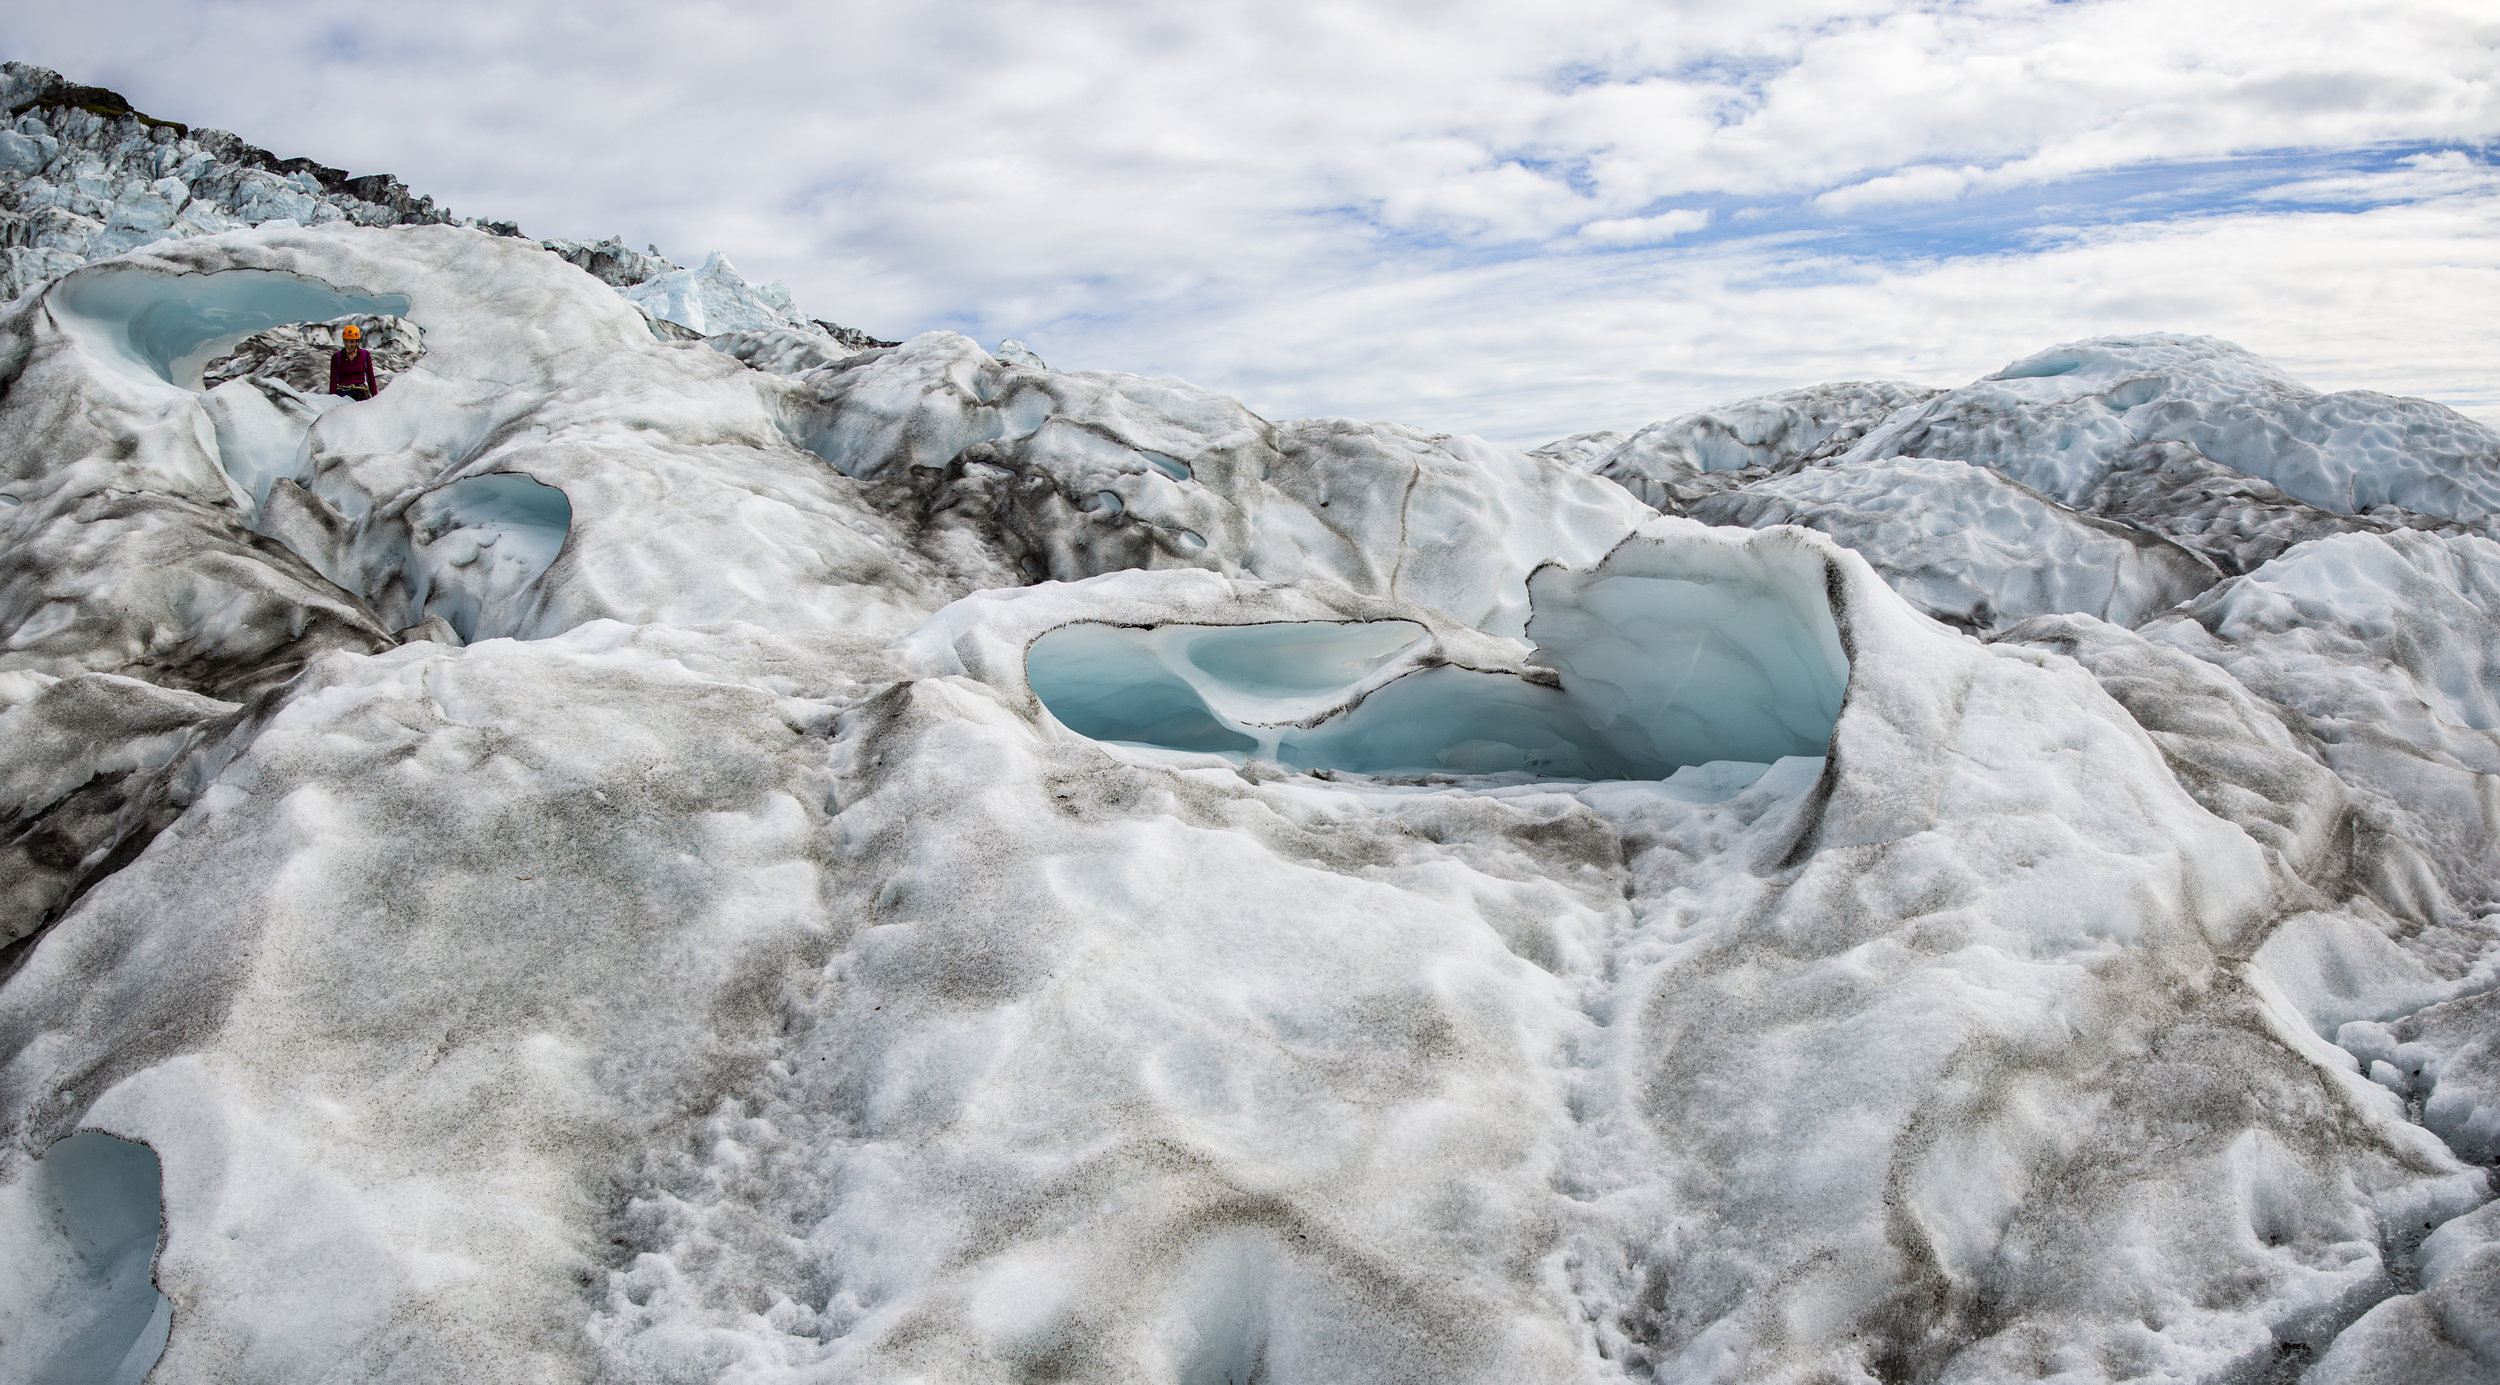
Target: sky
point(1509, 219)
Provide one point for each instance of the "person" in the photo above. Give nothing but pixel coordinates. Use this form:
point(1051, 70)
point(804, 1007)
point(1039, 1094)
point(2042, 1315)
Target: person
point(351, 366)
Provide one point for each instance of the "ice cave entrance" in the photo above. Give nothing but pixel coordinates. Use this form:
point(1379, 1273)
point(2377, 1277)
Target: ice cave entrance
point(78, 1303)
point(167, 326)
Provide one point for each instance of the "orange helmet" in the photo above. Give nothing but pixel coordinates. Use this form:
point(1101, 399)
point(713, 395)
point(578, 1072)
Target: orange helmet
point(353, 333)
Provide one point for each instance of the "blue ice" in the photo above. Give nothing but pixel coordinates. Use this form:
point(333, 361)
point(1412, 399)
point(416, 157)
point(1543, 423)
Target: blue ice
point(1657, 675)
point(168, 326)
point(481, 541)
point(84, 1219)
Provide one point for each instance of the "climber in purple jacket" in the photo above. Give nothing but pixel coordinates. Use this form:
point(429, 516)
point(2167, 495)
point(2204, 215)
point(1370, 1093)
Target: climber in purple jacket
point(351, 366)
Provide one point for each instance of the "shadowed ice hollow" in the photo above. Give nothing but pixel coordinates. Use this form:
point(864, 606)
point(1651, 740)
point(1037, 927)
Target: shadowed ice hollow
point(479, 542)
point(1669, 657)
point(79, 1306)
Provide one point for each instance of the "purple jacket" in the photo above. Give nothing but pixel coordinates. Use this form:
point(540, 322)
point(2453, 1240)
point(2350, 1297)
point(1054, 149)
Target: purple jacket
point(351, 367)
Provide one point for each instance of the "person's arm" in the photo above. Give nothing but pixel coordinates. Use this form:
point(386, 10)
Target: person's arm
point(334, 370)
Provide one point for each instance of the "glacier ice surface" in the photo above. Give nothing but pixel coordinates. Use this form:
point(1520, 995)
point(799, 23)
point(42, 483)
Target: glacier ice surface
point(1671, 655)
point(616, 871)
point(1971, 547)
point(2058, 421)
point(713, 297)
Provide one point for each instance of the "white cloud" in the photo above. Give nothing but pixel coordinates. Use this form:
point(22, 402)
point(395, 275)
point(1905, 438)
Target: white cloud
point(1645, 230)
point(1370, 208)
point(1910, 185)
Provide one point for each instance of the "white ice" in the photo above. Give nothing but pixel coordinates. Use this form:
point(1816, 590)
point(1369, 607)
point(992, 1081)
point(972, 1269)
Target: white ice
point(714, 298)
point(1969, 546)
point(2057, 422)
point(625, 868)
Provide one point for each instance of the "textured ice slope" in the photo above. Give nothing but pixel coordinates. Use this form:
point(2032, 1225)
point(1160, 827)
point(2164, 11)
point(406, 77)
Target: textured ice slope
point(2115, 477)
point(639, 860)
point(1666, 463)
point(2061, 420)
point(1971, 547)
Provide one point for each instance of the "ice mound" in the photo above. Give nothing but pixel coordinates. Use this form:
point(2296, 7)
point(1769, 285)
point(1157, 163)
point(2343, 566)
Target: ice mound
point(2386, 650)
point(1971, 547)
point(1066, 475)
point(77, 1305)
point(789, 351)
point(2058, 422)
point(715, 298)
point(1663, 463)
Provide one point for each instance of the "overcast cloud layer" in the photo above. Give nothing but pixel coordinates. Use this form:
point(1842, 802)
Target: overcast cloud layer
point(1515, 220)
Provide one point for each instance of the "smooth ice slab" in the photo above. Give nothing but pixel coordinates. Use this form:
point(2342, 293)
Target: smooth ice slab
point(169, 326)
point(1668, 658)
point(78, 1305)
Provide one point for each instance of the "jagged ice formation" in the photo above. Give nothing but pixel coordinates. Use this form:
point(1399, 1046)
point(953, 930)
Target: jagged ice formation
point(643, 856)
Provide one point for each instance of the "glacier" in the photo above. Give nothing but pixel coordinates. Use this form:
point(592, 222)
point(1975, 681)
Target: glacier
point(671, 844)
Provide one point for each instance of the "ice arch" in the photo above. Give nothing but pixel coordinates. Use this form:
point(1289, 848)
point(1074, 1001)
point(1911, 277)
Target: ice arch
point(1669, 655)
point(167, 326)
point(78, 1303)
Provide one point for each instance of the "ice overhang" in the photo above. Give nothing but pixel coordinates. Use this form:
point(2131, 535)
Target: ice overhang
point(167, 326)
